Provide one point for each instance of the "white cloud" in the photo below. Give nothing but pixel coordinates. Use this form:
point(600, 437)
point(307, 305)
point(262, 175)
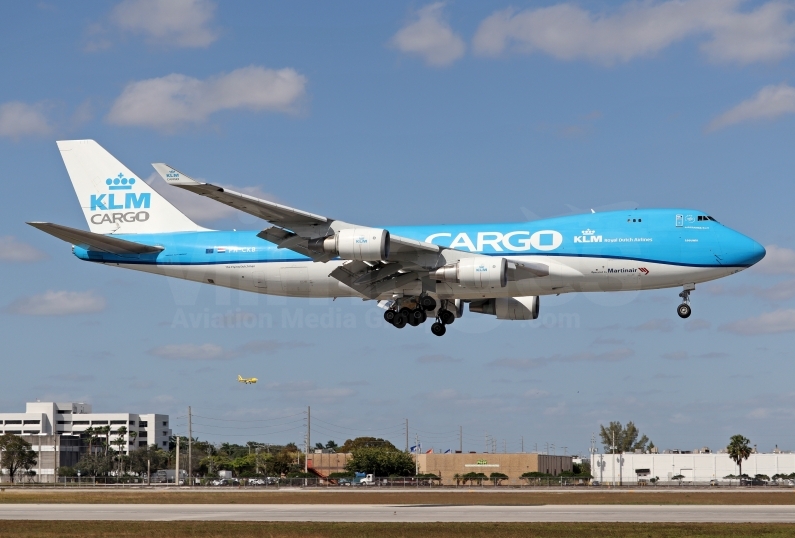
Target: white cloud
point(535, 393)
point(526, 364)
point(429, 359)
point(677, 355)
point(430, 37)
point(778, 321)
point(664, 325)
point(636, 29)
point(179, 23)
point(768, 104)
point(777, 261)
point(199, 352)
point(12, 250)
point(205, 352)
point(19, 119)
point(697, 325)
point(175, 100)
point(58, 303)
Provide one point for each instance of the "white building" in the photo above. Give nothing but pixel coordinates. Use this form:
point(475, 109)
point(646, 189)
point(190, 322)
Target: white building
point(631, 468)
point(72, 419)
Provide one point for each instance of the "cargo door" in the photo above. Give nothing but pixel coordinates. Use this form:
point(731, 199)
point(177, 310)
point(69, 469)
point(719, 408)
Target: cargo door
point(295, 281)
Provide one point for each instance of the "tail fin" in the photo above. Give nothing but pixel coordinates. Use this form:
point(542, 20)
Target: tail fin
point(239, 377)
point(114, 200)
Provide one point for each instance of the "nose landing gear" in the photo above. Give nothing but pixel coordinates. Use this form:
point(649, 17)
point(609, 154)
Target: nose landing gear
point(684, 309)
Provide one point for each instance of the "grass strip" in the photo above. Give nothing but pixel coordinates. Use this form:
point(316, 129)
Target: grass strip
point(178, 529)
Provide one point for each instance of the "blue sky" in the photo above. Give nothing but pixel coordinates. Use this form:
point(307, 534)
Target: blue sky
point(398, 113)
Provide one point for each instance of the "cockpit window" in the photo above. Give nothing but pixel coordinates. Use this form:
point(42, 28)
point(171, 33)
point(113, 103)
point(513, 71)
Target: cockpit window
point(713, 220)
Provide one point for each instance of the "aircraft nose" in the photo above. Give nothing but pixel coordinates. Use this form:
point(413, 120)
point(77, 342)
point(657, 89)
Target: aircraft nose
point(747, 252)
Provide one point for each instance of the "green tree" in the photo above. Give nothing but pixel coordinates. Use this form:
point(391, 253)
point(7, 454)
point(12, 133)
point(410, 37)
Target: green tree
point(156, 458)
point(365, 442)
point(104, 430)
point(94, 465)
point(16, 454)
point(120, 442)
point(626, 437)
point(473, 476)
point(381, 462)
point(90, 436)
point(497, 478)
point(739, 449)
point(678, 477)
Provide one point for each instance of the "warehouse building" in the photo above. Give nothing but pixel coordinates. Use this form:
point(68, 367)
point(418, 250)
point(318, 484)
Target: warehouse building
point(447, 466)
point(695, 468)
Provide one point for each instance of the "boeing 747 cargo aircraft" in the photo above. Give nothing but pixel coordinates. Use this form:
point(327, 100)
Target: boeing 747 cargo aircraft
point(416, 272)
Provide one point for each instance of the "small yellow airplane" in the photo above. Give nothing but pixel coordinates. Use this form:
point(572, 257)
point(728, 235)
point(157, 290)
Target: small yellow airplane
point(247, 380)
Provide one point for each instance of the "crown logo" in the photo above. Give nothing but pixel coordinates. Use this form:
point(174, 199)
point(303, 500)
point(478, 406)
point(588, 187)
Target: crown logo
point(588, 232)
point(120, 183)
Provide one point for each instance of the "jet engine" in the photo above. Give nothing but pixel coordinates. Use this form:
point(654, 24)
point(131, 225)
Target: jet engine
point(480, 272)
point(515, 308)
point(363, 244)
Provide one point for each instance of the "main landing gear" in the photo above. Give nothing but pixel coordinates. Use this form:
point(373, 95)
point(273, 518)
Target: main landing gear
point(414, 312)
point(684, 309)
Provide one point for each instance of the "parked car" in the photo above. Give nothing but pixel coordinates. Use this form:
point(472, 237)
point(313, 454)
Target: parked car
point(714, 482)
point(595, 483)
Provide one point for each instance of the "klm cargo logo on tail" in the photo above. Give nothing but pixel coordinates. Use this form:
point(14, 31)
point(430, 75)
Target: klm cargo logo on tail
point(131, 200)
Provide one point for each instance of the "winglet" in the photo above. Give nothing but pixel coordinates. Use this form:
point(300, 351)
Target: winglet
point(172, 176)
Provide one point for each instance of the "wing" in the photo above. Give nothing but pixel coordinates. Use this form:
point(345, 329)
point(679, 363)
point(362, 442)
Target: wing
point(293, 229)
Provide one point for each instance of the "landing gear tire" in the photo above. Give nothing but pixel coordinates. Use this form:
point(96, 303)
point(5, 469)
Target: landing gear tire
point(684, 310)
point(389, 316)
point(418, 315)
point(400, 321)
point(438, 329)
point(428, 303)
point(446, 317)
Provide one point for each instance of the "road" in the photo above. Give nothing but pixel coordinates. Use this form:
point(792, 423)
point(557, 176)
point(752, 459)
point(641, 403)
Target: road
point(402, 513)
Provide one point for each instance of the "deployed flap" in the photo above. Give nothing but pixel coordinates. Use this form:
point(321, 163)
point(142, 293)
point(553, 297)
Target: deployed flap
point(92, 241)
point(355, 275)
point(284, 239)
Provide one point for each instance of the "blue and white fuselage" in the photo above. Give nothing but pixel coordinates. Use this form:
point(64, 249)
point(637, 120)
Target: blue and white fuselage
point(419, 272)
point(614, 251)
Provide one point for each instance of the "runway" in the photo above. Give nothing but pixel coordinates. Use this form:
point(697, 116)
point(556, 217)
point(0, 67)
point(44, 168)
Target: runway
point(402, 513)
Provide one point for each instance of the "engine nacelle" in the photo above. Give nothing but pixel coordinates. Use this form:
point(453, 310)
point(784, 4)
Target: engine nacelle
point(363, 244)
point(515, 308)
point(481, 272)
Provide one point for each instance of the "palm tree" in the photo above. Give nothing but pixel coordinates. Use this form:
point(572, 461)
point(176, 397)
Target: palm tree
point(105, 430)
point(133, 437)
point(89, 432)
point(739, 449)
point(121, 441)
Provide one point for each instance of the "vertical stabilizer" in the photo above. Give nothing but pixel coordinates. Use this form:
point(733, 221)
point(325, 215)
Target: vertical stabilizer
point(114, 200)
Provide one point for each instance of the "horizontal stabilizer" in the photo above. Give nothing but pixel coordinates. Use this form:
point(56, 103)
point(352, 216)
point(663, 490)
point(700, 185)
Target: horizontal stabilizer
point(92, 241)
